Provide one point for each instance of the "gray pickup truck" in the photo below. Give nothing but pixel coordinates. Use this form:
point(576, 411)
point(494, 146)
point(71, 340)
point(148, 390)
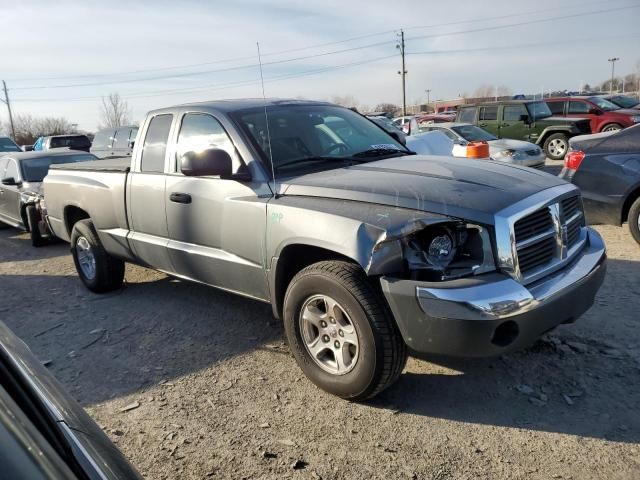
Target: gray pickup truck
point(364, 249)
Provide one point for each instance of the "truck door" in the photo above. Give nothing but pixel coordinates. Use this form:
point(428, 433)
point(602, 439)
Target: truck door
point(512, 123)
point(146, 204)
point(10, 194)
point(216, 226)
point(488, 119)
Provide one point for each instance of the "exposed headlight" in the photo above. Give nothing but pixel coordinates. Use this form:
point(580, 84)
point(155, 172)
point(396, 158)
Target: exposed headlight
point(636, 118)
point(449, 250)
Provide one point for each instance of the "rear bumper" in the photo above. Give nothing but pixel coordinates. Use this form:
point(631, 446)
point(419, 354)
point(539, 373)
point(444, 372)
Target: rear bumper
point(492, 314)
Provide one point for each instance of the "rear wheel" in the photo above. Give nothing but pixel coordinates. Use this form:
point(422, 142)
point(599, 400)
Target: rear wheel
point(33, 218)
point(99, 271)
point(556, 146)
point(612, 127)
point(340, 331)
point(634, 220)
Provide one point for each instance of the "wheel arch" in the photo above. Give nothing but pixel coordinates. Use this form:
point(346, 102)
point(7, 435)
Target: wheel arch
point(626, 206)
point(547, 132)
point(290, 261)
point(72, 215)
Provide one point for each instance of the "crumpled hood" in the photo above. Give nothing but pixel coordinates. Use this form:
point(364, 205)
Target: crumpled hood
point(472, 190)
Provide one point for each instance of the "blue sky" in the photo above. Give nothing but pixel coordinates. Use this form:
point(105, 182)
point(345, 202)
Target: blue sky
point(159, 53)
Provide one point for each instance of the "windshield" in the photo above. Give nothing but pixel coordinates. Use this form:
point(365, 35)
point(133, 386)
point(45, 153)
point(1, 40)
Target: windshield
point(538, 110)
point(605, 105)
point(35, 169)
point(624, 101)
point(7, 145)
point(471, 133)
point(317, 136)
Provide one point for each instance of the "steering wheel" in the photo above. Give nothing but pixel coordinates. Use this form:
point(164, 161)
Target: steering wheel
point(336, 148)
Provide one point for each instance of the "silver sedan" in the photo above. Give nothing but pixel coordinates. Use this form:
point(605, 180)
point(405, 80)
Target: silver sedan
point(506, 150)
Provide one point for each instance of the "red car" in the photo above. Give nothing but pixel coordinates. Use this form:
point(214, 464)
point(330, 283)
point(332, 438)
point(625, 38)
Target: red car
point(605, 116)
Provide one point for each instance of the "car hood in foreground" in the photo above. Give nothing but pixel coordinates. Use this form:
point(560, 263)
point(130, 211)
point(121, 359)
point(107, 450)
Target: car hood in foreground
point(462, 188)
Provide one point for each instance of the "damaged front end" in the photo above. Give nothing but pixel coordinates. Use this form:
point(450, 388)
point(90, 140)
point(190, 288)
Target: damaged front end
point(432, 250)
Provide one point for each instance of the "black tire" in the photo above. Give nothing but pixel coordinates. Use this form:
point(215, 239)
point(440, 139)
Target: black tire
point(611, 127)
point(556, 146)
point(33, 218)
point(3, 226)
point(382, 352)
point(634, 220)
point(108, 271)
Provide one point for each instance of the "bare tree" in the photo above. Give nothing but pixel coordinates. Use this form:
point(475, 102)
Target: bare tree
point(348, 101)
point(484, 90)
point(114, 111)
point(387, 108)
point(29, 128)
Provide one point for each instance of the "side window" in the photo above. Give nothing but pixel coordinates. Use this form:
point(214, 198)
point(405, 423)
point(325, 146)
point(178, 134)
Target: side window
point(467, 115)
point(578, 107)
point(12, 170)
point(489, 113)
point(133, 134)
point(448, 133)
point(200, 131)
point(512, 113)
point(557, 108)
point(100, 140)
point(155, 144)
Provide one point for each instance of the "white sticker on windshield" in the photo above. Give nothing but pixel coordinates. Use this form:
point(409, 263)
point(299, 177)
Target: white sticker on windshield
point(385, 146)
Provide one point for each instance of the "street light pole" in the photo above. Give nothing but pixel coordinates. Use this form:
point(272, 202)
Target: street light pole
point(613, 69)
point(428, 91)
point(403, 73)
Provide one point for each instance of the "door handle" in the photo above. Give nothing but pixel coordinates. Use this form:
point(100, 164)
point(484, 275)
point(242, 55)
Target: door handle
point(180, 197)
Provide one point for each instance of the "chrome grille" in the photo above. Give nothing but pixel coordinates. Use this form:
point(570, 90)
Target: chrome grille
point(539, 234)
point(535, 240)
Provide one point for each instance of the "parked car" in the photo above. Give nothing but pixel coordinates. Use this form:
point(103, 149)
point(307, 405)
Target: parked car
point(362, 247)
point(405, 123)
point(604, 115)
point(437, 143)
point(8, 145)
point(114, 142)
point(517, 152)
point(606, 167)
point(442, 117)
point(527, 120)
point(75, 141)
point(44, 433)
point(623, 101)
point(21, 175)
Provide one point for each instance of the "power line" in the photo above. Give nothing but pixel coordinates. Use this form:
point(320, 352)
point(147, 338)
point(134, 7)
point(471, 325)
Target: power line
point(361, 47)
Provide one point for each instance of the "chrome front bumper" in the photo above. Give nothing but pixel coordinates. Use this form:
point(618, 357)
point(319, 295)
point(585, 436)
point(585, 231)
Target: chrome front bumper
point(493, 313)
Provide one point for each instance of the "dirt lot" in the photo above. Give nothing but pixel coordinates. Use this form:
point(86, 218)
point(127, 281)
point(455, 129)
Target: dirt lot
point(216, 393)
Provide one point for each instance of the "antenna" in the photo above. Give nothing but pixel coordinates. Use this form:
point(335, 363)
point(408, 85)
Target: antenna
point(266, 118)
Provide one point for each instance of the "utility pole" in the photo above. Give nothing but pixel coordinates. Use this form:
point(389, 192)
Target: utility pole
point(6, 100)
point(428, 91)
point(403, 73)
point(613, 69)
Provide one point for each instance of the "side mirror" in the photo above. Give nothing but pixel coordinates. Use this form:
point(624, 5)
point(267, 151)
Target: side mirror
point(10, 181)
point(524, 118)
point(213, 161)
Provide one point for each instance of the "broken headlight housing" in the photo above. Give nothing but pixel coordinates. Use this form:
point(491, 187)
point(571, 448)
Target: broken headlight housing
point(448, 251)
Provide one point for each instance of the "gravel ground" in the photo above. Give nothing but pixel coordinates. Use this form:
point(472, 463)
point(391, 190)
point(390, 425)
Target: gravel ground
point(212, 391)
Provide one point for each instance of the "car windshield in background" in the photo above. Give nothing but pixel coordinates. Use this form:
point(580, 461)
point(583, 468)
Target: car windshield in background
point(604, 104)
point(471, 133)
point(71, 142)
point(316, 135)
point(35, 169)
point(624, 101)
point(7, 145)
point(539, 110)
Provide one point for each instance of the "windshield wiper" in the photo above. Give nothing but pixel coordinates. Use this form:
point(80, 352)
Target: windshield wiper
point(380, 152)
point(315, 159)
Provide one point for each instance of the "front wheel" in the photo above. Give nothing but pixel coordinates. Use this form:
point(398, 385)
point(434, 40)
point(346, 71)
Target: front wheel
point(556, 146)
point(99, 271)
point(341, 332)
point(634, 220)
point(612, 127)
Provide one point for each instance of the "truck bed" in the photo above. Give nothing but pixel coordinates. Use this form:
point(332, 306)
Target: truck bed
point(113, 164)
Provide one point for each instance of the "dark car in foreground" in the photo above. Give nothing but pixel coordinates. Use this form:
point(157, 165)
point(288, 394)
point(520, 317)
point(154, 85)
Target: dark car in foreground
point(21, 177)
point(527, 120)
point(606, 167)
point(362, 247)
point(44, 433)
